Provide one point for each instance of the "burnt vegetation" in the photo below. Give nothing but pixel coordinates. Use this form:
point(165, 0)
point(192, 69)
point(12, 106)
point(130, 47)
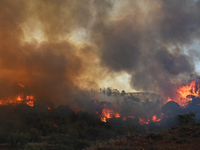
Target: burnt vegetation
point(37, 127)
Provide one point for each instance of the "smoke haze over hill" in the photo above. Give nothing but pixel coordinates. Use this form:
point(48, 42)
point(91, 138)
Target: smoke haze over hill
point(41, 48)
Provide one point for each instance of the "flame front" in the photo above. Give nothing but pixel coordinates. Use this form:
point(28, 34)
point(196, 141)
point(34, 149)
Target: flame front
point(185, 92)
point(29, 100)
point(108, 113)
point(155, 118)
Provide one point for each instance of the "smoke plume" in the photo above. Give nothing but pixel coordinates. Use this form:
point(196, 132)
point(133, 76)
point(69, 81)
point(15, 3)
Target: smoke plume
point(142, 38)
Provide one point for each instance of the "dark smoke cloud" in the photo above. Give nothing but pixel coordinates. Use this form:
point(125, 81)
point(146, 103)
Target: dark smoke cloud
point(146, 42)
point(142, 38)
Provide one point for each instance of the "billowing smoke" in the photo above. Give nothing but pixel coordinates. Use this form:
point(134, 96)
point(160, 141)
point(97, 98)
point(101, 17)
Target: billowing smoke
point(51, 66)
point(147, 41)
point(39, 45)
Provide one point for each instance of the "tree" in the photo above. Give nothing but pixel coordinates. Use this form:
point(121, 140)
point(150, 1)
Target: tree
point(187, 119)
point(109, 91)
point(123, 93)
point(35, 135)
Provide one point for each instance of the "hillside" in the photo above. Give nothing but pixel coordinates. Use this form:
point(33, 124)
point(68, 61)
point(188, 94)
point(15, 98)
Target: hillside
point(175, 138)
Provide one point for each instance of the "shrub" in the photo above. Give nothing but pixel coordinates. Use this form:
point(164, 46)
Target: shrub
point(3, 137)
point(32, 147)
point(35, 135)
point(59, 139)
point(32, 119)
point(187, 119)
point(121, 130)
point(61, 147)
point(12, 125)
point(133, 130)
point(45, 127)
point(62, 121)
point(18, 139)
point(155, 136)
point(81, 144)
point(63, 129)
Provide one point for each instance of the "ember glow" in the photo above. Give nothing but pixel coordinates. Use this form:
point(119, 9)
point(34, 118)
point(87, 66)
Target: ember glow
point(184, 93)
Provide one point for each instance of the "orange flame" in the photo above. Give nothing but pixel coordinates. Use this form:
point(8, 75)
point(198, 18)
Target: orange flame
point(142, 121)
point(20, 97)
point(156, 119)
point(29, 100)
point(117, 115)
point(30, 103)
point(108, 113)
point(124, 119)
point(153, 119)
point(103, 119)
point(184, 92)
point(131, 116)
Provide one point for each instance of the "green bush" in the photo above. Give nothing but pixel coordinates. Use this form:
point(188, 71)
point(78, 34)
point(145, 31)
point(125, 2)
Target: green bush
point(45, 127)
point(133, 130)
point(12, 125)
point(31, 119)
point(59, 139)
point(62, 121)
point(187, 119)
point(121, 131)
point(35, 135)
point(3, 137)
point(18, 139)
point(63, 129)
point(81, 144)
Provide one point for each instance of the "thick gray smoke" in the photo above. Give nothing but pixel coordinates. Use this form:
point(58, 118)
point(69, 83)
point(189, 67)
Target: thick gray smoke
point(147, 40)
point(144, 38)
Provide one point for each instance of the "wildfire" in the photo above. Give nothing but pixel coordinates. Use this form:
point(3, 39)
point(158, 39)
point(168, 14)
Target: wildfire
point(108, 113)
point(142, 121)
point(21, 98)
point(185, 92)
point(155, 118)
point(124, 119)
